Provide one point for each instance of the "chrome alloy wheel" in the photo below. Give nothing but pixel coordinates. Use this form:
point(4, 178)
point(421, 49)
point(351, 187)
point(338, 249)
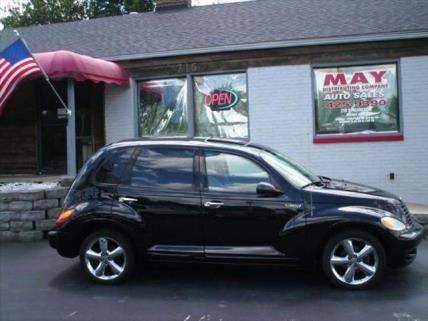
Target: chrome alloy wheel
point(354, 261)
point(105, 259)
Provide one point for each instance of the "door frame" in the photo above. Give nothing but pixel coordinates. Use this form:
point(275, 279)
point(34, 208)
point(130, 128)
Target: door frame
point(170, 251)
point(261, 253)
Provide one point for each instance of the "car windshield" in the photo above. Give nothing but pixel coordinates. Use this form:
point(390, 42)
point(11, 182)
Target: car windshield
point(289, 169)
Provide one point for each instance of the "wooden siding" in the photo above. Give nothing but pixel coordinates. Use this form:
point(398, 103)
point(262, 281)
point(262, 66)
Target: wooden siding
point(222, 62)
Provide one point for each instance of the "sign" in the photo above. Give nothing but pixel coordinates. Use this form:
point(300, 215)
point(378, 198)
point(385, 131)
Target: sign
point(221, 99)
point(356, 99)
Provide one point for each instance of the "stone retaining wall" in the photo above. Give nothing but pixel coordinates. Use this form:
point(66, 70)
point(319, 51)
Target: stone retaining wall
point(28, 215)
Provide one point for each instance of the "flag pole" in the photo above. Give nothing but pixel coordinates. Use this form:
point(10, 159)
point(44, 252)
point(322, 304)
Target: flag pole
point(45, 75)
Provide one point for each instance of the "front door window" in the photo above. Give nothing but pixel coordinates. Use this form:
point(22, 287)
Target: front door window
point(232, 173)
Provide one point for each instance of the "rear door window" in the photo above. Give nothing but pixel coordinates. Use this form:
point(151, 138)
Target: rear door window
point(163, 168)
point(113, 170)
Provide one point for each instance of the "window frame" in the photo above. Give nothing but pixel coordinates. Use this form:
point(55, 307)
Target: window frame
point(356, 137)
point(137, 82)
point(189, 76)
point(195, 168)
point(204, 175)
point(193, 107)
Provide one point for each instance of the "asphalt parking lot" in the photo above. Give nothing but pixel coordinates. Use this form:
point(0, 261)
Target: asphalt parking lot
point(37, 284)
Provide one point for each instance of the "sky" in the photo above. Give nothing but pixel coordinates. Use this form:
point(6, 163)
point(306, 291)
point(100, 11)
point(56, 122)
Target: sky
point(5, 5)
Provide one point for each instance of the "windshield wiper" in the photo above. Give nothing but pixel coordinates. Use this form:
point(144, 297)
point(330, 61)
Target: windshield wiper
point(316, 183)
point(324, 179)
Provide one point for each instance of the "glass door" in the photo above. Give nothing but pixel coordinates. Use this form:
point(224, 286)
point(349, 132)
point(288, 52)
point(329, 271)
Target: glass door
point(52, 129)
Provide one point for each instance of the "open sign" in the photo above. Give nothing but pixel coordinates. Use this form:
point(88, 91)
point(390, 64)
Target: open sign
point(221, 99)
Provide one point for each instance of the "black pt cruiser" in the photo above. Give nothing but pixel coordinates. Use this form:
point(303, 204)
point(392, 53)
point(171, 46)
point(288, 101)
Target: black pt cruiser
point(223, 201)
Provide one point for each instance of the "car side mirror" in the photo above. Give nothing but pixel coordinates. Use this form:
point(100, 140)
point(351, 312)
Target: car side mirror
point(267, 189)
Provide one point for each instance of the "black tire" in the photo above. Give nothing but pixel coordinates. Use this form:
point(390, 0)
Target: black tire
point(376, 260)
point(126, 261)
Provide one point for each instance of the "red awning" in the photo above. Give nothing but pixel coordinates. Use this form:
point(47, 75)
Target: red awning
point(66, 64)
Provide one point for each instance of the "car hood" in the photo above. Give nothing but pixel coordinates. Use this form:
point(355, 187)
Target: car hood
point(340, 191)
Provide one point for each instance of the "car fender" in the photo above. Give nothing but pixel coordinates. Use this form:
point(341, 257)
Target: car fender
point(324, 220)
point(104, 213)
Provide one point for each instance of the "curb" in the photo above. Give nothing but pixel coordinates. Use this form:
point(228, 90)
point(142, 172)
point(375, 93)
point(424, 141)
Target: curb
point(421, 218)
point(419, 212)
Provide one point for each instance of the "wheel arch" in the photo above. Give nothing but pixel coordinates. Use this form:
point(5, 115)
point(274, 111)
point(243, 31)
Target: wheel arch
point(94, 225)
point(372, 229)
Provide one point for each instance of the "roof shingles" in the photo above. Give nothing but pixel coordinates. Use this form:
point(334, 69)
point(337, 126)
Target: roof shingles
point(227, 24)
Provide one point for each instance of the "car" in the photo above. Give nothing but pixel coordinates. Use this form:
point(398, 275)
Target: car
point(226, 201)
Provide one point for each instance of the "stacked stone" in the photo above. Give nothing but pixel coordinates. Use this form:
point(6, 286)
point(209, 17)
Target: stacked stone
point(28, 215)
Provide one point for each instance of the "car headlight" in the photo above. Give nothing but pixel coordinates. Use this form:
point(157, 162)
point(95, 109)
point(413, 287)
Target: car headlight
point(392, 223)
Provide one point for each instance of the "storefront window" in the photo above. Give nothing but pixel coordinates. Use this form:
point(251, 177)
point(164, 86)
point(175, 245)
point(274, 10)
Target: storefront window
point(221, 106)
point(356, 100)
point(163, 107)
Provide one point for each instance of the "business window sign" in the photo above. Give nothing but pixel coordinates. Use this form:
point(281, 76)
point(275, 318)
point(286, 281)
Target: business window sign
point(357, 99)
point(221, 99)
point(221, 105)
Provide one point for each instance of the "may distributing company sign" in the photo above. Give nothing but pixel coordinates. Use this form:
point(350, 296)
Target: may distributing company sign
point(356, 99)
point(221, 99)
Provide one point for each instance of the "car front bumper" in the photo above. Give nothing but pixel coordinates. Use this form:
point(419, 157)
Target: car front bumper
point(403, 248)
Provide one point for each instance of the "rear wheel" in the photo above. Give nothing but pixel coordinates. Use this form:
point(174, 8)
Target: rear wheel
point(354, 260)
point(107, 257)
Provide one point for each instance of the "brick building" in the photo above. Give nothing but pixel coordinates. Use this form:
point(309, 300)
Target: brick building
point(341, 87)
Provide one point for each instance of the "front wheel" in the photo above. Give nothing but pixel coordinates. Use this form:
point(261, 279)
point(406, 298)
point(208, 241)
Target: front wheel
point(107, 257)
point(354, 260)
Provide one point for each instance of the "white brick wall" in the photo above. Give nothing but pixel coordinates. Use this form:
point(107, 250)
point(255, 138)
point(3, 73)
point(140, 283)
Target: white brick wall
point(281, 116)
point(119, 113)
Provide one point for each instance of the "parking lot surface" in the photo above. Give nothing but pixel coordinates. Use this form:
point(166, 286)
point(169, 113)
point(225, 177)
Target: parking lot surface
point(37, 284)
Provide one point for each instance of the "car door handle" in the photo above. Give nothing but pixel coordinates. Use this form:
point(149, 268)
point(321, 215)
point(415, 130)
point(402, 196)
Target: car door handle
point(127, 199)
point(213, 204)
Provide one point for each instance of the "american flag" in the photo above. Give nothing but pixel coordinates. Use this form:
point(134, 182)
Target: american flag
point(16, 63)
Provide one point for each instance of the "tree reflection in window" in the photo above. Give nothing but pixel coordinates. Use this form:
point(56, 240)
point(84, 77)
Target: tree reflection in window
point(163, 107)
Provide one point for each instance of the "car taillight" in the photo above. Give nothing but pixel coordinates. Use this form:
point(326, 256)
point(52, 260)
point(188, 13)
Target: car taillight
point(64, 217)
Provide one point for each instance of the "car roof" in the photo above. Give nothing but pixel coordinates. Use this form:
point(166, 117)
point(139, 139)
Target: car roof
point(230, 144)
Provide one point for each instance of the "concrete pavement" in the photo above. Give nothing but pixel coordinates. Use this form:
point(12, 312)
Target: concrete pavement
point(37, 284)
